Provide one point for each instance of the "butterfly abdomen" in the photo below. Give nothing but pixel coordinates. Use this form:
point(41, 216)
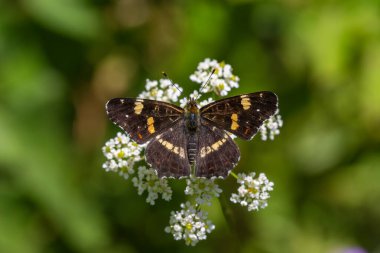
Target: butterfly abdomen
point(192, 147)
point(192, 124)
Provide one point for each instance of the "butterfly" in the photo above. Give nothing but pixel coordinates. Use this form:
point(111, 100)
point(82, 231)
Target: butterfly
point(192, 140)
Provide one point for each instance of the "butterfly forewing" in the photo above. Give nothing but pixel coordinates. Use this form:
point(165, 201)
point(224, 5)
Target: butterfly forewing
point(167, 152)
point(241, 115)
point(143, 119)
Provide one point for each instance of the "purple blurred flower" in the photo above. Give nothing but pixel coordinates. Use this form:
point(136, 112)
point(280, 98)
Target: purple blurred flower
point(354, 250)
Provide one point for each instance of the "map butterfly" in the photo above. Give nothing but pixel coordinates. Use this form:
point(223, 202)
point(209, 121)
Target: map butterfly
point(192, 140)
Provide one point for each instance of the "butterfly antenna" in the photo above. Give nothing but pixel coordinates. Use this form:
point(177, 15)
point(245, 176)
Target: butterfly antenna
point(205, 83)
point(171, 82)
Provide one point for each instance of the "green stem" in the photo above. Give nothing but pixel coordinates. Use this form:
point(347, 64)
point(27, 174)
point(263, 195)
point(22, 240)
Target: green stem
point(197, 207)
point(233, 174)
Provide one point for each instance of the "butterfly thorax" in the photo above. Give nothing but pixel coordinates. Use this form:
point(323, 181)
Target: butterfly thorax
point(192, 116)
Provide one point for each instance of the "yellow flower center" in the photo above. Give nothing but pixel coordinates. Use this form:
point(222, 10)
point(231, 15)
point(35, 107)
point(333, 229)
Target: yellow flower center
point(189, 226)
point(252, 190)
point(120, 154)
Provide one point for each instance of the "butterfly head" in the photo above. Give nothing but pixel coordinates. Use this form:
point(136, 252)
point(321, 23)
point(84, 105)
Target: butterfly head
point(192, 106)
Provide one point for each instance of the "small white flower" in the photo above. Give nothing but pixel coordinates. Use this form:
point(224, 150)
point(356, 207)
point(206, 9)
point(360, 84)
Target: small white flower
point(147, 180)
point(121, 154)
point(271, 127)
point(202, 189)
point(161, 90)
point(185, 100)
point(150, 84)
point(221, 81)
point(206, 102)
point(189, 224)
point(165, 83)
point(253, 192)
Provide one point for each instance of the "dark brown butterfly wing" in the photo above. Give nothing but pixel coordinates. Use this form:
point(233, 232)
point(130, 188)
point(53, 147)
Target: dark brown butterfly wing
point(241, 115)
point(142, 119)
point(217, 152)
point(167, 153)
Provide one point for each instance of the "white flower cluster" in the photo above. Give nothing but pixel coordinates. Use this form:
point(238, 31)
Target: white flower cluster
point(189, 224)
point(162, 90)
point(253, 192)
point(147, 180)
point(271, 127)
point(202, 189)
point(221, 82)
point(122, 153)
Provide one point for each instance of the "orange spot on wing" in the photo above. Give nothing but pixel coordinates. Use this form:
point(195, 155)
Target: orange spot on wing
point(139, 135)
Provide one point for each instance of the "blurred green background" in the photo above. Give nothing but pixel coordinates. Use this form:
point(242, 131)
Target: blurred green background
point(61, 60)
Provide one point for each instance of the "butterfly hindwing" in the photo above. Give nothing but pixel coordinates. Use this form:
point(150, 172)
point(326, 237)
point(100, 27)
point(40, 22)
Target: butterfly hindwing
point(217, 152)
point(167, 153)
point(241, 115)
point(142, 119)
